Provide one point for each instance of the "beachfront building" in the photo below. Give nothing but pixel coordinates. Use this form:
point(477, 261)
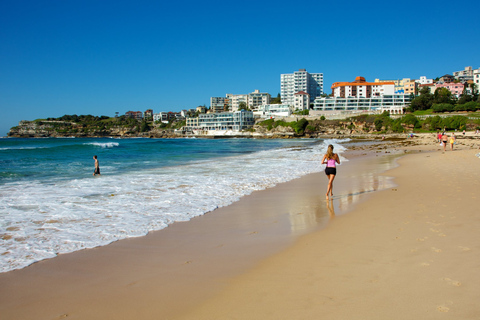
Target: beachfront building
point(302, 101)
point(273, 111)
point(394, 104)
point(291, 83)
point(360, 88)
point(256, 99)
point(234, 121)
point(455, 88)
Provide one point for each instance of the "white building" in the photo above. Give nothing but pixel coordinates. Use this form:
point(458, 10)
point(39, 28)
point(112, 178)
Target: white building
point(424, 80)
point(464, 75)
point(291, 83)
point(273, 110)
point(395, 104)
point(234, 121)
point(360, 88)
point(476, 79)
point(302, 101)
point(236, 99)
point(256, 99)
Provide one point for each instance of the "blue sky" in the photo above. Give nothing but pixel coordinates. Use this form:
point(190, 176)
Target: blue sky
point(100, 57)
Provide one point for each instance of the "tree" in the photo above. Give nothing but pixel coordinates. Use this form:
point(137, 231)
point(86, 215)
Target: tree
point(442, 95)
point(277, 100)
point(422, 102)
point(242, 106)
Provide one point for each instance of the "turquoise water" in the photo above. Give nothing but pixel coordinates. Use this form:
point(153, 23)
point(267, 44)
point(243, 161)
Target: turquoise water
point(51, 203)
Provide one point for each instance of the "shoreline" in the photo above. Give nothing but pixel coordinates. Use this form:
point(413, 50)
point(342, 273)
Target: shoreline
point(405, 253)
point(201, 255)
point(132, 277)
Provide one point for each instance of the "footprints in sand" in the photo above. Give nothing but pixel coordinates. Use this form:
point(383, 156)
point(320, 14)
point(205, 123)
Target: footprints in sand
point(63, 316)
point(445, 307)
point(436, 250)
point(452, 282)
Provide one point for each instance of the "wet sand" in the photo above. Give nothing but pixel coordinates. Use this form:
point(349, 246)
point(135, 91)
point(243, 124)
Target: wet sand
point(279, 254)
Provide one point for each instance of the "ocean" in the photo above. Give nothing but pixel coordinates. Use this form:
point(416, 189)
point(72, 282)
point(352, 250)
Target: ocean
point(51, 203)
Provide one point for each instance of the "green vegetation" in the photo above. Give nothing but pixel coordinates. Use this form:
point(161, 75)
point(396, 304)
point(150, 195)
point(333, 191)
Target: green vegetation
point(298, 126)
point(443, 101)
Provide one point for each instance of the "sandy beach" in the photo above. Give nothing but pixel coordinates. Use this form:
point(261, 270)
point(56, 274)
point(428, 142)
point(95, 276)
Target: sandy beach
point(399, 244)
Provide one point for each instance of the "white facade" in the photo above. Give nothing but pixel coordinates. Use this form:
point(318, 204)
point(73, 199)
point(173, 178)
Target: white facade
point(235, 121)
point(302, 101)
point(392, 103)
point(424, 80)
point(274, 110)
point(464, 75)
point(236, 99)
point(256, 99)
point(476, 79)
point(291, 83)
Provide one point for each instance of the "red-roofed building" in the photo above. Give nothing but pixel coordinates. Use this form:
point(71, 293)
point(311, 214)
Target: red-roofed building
point(135, 114)
point(302, 101)
point(360, 88)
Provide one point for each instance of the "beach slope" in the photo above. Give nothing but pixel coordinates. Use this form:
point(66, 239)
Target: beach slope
point(409, 252)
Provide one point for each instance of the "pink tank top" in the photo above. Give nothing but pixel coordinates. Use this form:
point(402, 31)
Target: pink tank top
point(331, 163)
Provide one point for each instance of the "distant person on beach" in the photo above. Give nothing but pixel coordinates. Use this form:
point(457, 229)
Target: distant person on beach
point(330, 159)
point(439, 137)
point(97, 166)
point(444, 140)
point(452, 141)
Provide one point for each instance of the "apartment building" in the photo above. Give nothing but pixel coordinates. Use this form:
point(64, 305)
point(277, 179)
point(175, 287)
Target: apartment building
point(410, 87)
point(274, 110)
point(232, 102)
point(236, 100)
point(148, 114)
point(399, 84)
point(302, 101)
point(138, 115)
point(256, 99)
point(455, 88)
point(220, 104)
point(464, 75)
point(235, 121)
point(476, 78)
point(291, 83)
point(424, 80)
point(395, 104)
point(361, 88)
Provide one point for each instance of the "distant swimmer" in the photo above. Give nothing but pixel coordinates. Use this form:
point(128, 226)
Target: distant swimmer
point(97, 166)
point(330, 159)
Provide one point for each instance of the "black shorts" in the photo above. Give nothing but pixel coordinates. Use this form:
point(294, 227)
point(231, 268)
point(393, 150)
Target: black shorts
point(97, 171)
point(329, 171)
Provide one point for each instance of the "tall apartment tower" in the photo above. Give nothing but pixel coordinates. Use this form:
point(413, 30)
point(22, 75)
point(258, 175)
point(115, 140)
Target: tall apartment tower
point(291, 83)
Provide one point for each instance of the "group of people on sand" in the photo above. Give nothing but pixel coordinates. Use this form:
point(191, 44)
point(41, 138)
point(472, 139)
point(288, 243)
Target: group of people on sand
point(443, 139)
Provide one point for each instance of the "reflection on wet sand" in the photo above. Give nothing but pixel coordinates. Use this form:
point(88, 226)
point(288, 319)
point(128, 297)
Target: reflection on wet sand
point(355, 180)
